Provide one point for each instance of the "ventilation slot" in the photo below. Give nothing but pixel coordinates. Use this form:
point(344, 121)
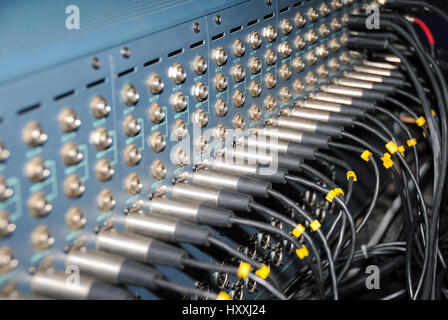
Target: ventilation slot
point(299, 3)
point(253, 22)
point(28, 109)
point(151, 62)
point(197, 44)
point(175, 53)
point(125, 72)
point(64, 95)
point(284, 10)
point(236, 29)
point(268, 16)
point(95, 83)
point(218, 36)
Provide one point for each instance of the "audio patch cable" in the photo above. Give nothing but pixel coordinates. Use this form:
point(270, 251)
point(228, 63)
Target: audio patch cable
point(176, 208)
point(53, 283)
point(252, 187)
point(171, 229)
point(119, 270)
point(135, 246)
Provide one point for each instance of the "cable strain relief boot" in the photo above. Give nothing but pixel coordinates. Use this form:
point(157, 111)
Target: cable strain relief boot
point(271, 174)
point(104, 291)
point(164, 254)
point(234, 200)
point(214, 216)
point(134, 273)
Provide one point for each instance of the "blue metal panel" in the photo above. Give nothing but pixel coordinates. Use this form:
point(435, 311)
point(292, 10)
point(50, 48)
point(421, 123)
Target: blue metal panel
point(34, 35)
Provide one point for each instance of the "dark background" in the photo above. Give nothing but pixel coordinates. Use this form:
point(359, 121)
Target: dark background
point(438, 27)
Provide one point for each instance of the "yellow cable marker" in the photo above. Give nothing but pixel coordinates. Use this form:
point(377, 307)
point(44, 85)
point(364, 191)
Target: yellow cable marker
point(434, 114)
point(333, 193)
point(315, 225)
point(338, 191)
point(352, 174)
point(387, 161)
point(401, 149)
point(223, 296)
point(263, 272)
point(412, 142)
point(302, 252)
point(243, 270)
point(330, 196)
point(420, 121)
point(391, 147)
point(366, 155)
point(297, 232)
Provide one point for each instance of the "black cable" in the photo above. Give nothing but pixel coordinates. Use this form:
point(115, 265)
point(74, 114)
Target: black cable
point(341, 203)
point(408, 133)
point(265, 210)
point(402, 161)
point(183, 290)
point(228, 269)
point(268, 228)
point(313, 172)
point(318, 175)
point(408, 95)
point(419, 193)
point(436, 139)
point(376, 189)
point(380, 250)
point(424, 5)
point(342, 164)
point(308, 218)
point(232, 252)
point(408, 110)
point(429, 287)
point(265, 227)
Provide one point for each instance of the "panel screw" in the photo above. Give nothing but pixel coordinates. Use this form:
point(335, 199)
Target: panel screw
point(125, 52)
point(95, 62)
point(196, 27)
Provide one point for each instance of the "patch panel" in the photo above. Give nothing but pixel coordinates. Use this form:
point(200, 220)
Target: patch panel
point(85, 140)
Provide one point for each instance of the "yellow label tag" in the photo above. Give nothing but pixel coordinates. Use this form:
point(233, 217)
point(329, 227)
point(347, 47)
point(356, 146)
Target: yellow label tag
point(297, 232)
point(351, 174)
point(391, 147)
point(412, 142)
point(263, 272)
point(387, 161)
point(223, 296)
point(330, 196)
point(366, 155)
point(315, 225)
point(243, 270)
point(302, 252)
point(420, 121)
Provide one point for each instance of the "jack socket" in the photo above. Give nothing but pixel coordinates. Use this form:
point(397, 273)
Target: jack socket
point(104, 170)
point(156, 113)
